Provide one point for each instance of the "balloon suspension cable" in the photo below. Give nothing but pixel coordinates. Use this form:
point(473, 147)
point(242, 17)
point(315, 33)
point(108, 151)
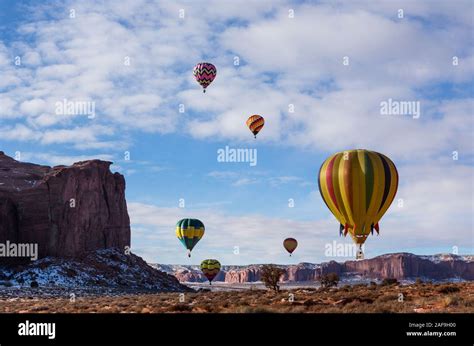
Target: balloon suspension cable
point(255, 136)
point(189, 253)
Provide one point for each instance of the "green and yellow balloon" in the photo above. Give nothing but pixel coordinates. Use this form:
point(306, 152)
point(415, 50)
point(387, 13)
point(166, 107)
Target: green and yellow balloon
point(189, 232)
point(210, 268)
point(358, 187)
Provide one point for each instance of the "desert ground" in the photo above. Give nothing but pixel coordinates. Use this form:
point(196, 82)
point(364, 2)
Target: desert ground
point(364, 298)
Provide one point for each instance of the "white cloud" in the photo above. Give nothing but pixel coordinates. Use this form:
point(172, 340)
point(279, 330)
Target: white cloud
point(282, 63)
point(437, 202)
point(254, 177)
point(32, 107)
point(259, 238)
point(18, 132)
point(245, 181)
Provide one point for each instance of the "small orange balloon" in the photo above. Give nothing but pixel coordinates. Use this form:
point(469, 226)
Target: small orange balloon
point(290, 244)
point(255, 124)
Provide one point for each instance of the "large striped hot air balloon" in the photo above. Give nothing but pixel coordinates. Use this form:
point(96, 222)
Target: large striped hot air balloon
point(189, 232)
point(204, 73)
point(255, 124)
point(210, 268)
point(290, 245)
point(358, 186)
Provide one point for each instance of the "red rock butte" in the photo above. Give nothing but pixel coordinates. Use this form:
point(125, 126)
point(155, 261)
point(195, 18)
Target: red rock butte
point(66, 210)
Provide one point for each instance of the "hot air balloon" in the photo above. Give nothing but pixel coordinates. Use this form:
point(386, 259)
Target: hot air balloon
point(358, 186)
point(204, 73)
point(290, 244)
point(189, 232)
point(210, 268)
point(255, 124)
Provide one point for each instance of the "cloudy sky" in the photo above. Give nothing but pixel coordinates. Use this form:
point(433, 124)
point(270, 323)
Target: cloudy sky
point(317, 71)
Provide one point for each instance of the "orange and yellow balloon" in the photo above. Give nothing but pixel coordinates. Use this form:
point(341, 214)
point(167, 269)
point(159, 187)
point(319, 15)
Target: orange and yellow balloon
point(358, 186)
point(255, 124)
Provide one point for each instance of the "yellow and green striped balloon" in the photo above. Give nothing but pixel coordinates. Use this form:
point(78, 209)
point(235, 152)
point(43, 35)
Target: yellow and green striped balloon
point(210, 268)
point(189, 232)
point(358, 186)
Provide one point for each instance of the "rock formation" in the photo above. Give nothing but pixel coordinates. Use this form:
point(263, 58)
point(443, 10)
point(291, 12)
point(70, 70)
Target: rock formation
point(399, 265)
point(406, 265)
point(103, 270)
point(66, 210)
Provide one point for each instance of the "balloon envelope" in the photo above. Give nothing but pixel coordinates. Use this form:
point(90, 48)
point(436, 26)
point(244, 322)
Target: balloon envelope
point(290, 244)
point(210, 268)
point(255, 123)
point(189, 232)
point(358, 186)
point(204, 73)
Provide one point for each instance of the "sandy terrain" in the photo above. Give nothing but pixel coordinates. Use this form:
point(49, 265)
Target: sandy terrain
point(424, 297)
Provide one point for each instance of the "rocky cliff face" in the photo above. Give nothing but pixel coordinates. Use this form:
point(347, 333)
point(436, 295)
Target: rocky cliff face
point(406, 265)
point(66, 210)
point(398, 265)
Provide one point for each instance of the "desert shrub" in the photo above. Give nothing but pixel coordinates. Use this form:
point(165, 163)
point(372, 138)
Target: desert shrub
point(208, 307)
point(39, 308)
point(44, 265)
point(180, 307)
point(389, 281)
point(372, 286)
point(448, 289)
point(388, 298)
point(6, 283)
point(310, 289)
point(70, 272)
point(418, 281)
point(469, 302)
point(34, 284)
point(451, 301)
point(271, 275)
point(329, 280)
point(360, 286)
point(389, 306)
point(254, 310)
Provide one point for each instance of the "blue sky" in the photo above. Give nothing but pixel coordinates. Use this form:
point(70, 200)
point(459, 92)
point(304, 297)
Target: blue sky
point(283, 61)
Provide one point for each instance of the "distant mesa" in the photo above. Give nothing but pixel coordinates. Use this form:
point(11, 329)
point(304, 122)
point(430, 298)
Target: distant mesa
point(402, 266)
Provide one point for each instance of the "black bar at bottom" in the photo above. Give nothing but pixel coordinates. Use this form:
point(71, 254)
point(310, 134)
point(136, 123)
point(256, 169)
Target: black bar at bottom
point(244, 329)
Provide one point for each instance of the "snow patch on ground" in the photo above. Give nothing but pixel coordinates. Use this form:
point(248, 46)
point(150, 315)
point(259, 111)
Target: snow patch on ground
point(107, 268)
